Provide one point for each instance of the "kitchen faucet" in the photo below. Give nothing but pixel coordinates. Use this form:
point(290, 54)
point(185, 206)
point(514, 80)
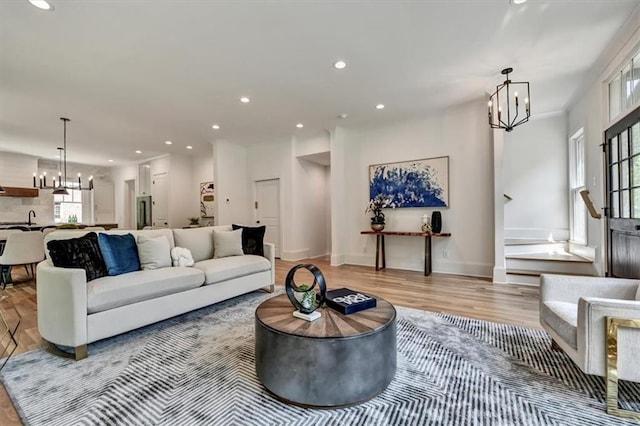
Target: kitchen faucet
point(34, 215)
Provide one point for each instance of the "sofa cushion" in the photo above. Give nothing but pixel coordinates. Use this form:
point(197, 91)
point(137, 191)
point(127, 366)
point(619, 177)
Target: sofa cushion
point(154, 253)
point(252, 239)
point(82, 253)
point(198, 240)
point(120, 253)
point(227, 268)
point(227, 243)
point(562, 317)
point(112, 292)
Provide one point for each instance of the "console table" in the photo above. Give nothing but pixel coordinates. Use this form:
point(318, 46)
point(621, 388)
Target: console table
point(380, 255)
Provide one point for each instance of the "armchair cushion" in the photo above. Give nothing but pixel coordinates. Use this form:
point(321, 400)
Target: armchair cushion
point(562, 317)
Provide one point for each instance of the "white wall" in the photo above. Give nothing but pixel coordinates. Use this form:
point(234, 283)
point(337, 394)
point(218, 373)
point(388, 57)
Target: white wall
point(460, 133)
point(119, 176)
point(589, 110)
point(184, 193)
point(232, 183)
point(536, 177)
point(310, 209)
point(303, 200)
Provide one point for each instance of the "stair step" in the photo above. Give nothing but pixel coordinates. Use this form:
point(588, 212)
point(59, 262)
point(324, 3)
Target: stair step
point(551, 257)
point(529, 241)
point(532, 280)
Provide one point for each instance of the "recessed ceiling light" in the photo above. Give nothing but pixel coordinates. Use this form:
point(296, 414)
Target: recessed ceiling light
point(42, 4)
point(299, 125)
point(380, 106)
point(111, 161)
point(216, 127)
point(245, 100)
point(168, 142)
point(518, 1)
point(340, 65)
point(189, 147)
point(138, 152)
point(343, 116)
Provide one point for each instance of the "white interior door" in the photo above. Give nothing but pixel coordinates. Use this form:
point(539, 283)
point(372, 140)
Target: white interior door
point(267, 207)
point(159, 200)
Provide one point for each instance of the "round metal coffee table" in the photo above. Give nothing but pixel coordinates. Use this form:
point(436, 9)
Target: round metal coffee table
point(336, 360)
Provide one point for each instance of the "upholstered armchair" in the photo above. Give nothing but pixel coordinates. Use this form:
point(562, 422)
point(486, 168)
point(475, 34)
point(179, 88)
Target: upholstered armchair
point(596, 321)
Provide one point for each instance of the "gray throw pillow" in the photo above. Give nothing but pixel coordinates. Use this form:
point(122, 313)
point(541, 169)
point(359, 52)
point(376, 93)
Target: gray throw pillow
point(227, 243)
point(638, 293)
point(154, 252)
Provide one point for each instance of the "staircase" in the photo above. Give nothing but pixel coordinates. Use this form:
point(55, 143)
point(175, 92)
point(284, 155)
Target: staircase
point(527, 259)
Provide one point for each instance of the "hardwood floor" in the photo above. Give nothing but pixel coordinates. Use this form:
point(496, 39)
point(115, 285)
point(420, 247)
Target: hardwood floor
point(452, 294)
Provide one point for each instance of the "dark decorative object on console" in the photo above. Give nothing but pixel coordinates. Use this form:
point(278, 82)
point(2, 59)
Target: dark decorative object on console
point(436, 222)
point(291, 288)
point(252, 239)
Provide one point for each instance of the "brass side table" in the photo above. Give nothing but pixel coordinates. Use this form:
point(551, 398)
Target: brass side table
point(613, 324)
point(10, 320)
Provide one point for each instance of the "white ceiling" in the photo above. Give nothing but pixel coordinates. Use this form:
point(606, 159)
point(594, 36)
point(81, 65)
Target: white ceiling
point(132, 74)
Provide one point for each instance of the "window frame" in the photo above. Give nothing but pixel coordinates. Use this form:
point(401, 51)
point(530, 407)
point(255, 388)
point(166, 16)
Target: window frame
point(578, 221)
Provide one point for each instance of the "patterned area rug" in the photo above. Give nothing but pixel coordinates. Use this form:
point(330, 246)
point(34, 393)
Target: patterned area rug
point(198, 369)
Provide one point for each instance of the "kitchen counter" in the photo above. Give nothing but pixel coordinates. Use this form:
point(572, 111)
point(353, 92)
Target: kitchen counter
point(37, 227)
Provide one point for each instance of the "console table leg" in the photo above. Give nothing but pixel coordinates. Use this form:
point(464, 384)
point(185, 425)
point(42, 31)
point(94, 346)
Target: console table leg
point(427, 255)
point(384, 257)
point(377, 251)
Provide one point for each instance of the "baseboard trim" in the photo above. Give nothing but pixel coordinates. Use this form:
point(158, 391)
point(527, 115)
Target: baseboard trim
point(470, 269)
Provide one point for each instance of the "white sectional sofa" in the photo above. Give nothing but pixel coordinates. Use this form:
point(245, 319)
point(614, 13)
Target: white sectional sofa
point(73, 313)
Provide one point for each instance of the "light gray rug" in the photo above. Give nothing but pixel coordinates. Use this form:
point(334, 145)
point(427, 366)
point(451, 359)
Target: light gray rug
point(198, 369)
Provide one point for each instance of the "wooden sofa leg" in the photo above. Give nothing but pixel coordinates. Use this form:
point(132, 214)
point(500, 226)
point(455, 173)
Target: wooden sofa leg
point(270, 289)
point(79, 352)
point(555, 346)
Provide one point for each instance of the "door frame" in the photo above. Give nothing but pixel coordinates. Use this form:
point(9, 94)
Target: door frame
point(614, 129)
point(254, 216)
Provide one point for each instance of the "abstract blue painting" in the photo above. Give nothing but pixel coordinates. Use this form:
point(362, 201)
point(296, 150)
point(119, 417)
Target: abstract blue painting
point(418, 183)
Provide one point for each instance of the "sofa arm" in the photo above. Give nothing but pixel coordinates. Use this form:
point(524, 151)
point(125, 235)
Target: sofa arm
point(62, 304)
point(570, 288)
point(592, 330)
point(270, 254)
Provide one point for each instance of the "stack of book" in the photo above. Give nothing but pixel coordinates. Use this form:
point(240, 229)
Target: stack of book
point(348, 301)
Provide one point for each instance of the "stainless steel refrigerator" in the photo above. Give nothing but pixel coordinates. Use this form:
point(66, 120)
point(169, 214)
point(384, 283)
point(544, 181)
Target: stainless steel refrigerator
point(143, 211)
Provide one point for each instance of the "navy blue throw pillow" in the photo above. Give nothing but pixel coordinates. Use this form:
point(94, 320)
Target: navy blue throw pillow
point(120, 253)
point(83, 253)
point(252, 239)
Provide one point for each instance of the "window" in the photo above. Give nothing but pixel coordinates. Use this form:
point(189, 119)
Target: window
point(624, 89)
point(68, 208)
point(578, 210)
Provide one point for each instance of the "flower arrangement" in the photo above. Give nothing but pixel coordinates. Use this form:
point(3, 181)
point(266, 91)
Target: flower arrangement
point(375, 206)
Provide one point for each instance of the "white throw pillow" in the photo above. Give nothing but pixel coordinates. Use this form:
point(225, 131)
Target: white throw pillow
point(154, 252)
point(227, 243)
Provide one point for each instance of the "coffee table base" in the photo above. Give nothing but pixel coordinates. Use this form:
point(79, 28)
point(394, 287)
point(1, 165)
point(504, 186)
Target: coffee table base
point(325, 372)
